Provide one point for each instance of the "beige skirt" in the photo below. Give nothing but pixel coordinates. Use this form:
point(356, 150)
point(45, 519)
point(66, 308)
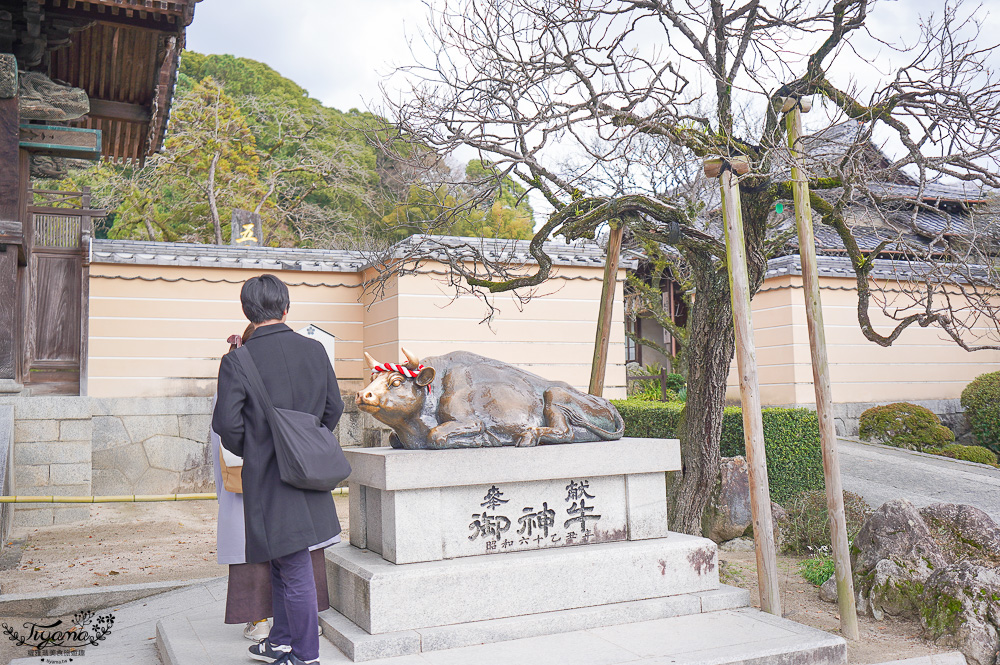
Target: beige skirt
point(249, 594)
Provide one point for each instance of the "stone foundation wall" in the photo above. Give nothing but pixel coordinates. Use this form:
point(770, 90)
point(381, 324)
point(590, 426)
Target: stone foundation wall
point(152, 445)
point(83, 446)
point(52, 456)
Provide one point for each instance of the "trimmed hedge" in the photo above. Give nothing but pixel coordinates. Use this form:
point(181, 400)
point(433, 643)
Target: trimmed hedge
point(981, 401)
point(976, 454)
point(904, 425)
point(656, 420)
point(791, 439)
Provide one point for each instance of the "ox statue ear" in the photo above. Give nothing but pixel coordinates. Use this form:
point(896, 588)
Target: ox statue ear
point(425, 377)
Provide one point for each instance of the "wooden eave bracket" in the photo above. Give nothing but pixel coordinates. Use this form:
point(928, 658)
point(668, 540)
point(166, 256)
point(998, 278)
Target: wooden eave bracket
point(12, 233)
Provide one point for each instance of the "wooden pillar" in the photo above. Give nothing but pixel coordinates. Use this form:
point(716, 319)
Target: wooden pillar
point(600, 363)
point(12, 190)
point(746, 360)
point(821, 381)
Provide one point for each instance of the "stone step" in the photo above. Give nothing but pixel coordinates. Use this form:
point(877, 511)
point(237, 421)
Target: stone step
point(724, 637)
point(382, 597)
point(362, 646)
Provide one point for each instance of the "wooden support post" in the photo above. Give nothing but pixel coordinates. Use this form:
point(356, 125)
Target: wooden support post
point(600, 363)
point(13, 188)
point(753, 425)
point(821, 384)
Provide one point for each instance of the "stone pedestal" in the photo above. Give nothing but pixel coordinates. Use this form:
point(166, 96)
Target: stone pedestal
point(428, 505)
point(452, 547)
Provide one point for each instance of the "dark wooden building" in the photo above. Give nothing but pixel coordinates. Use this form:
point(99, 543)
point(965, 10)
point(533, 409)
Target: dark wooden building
point(89, 79)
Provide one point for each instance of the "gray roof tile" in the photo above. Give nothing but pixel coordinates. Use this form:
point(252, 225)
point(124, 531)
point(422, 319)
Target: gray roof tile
point(579, 253)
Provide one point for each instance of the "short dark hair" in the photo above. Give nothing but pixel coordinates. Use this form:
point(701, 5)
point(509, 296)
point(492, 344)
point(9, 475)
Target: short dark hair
point(264, 298)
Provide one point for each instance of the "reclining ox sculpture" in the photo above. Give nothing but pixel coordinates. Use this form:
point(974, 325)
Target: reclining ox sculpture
point(463, 400)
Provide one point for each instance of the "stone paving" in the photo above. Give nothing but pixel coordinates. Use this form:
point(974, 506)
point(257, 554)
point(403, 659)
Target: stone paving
point(882, 473)
point(186, 625)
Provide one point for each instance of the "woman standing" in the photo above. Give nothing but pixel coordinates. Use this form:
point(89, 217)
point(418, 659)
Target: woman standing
point(248, 598)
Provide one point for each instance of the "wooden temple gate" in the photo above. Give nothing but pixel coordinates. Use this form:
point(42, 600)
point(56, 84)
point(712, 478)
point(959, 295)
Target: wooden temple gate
point(86, 79)
point(54, 293)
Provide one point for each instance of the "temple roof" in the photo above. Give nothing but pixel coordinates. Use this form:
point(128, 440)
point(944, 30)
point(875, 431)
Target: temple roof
point(126, 60)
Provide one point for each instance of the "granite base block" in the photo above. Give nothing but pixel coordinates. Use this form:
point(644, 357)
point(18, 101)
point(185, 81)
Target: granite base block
point(379, 596)
point(361, 646)
point(413, 506)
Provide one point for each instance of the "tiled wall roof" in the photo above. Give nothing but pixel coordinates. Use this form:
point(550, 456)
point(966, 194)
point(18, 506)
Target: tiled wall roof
point(578, 253)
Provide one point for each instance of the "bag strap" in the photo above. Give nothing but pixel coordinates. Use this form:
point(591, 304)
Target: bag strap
point(245, 360)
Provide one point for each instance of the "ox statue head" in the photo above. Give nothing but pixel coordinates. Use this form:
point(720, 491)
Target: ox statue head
point(397, 392)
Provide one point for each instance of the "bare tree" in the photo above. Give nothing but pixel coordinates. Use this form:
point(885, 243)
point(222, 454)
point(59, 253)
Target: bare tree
point(606, 108)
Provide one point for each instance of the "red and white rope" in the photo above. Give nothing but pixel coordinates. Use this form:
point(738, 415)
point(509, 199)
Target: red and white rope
point(402, 369)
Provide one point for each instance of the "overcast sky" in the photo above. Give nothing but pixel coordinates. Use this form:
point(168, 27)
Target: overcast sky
point(341, 50)
point(338, 50)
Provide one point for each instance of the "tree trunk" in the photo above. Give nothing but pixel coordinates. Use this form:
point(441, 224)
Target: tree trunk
point(709, 353)
point(149, 226)
point(212, 204)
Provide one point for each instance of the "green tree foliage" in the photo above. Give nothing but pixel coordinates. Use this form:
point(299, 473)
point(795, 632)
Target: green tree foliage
point(243, 136)
point(212, 163)
point(242, 77)
point(485, 204)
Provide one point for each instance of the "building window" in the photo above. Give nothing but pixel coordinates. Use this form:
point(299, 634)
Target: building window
point(633, 352)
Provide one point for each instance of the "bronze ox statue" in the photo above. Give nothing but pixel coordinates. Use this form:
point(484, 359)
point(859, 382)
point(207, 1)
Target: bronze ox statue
point(463, 400)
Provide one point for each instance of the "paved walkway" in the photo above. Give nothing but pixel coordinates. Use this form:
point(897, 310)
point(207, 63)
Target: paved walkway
point(881, 473)
point(198, 637)
point(132, 640)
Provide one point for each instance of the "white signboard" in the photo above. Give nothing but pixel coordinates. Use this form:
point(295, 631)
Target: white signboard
point(312, 331)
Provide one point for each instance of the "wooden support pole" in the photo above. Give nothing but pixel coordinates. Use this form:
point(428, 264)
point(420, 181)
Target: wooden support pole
point(821, 384)
point(753, 425)
point(600, 363)
point(13, 190)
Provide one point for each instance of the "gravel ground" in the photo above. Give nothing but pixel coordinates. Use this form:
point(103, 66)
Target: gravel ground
point(122, 543)
point(891, 639)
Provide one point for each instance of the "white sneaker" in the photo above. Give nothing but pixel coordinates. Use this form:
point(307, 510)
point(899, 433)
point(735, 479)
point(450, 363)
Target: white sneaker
point(256, 631)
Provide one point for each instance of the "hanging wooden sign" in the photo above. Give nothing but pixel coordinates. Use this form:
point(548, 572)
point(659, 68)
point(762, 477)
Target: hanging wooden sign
point(73, 142)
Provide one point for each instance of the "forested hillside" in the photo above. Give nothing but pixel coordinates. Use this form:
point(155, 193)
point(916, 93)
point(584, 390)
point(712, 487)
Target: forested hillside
point(243, 136)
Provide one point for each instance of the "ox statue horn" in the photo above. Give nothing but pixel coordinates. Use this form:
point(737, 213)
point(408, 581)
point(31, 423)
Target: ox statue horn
point(371, 361)
point(412, 361)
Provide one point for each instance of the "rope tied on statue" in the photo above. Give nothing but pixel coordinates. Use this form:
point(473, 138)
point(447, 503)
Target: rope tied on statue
point(402, 369)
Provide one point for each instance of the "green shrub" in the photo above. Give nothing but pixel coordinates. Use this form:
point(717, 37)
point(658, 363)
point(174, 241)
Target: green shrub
point(807, 529)
point(651, 394)
point(904, 425)
point(817, 569)
point(675, 382)
point(648, 390)
point(967, 453)
point(791, 440)
point(981, 401)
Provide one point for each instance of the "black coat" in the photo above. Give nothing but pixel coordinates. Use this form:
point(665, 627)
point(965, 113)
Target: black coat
point(280, 519)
